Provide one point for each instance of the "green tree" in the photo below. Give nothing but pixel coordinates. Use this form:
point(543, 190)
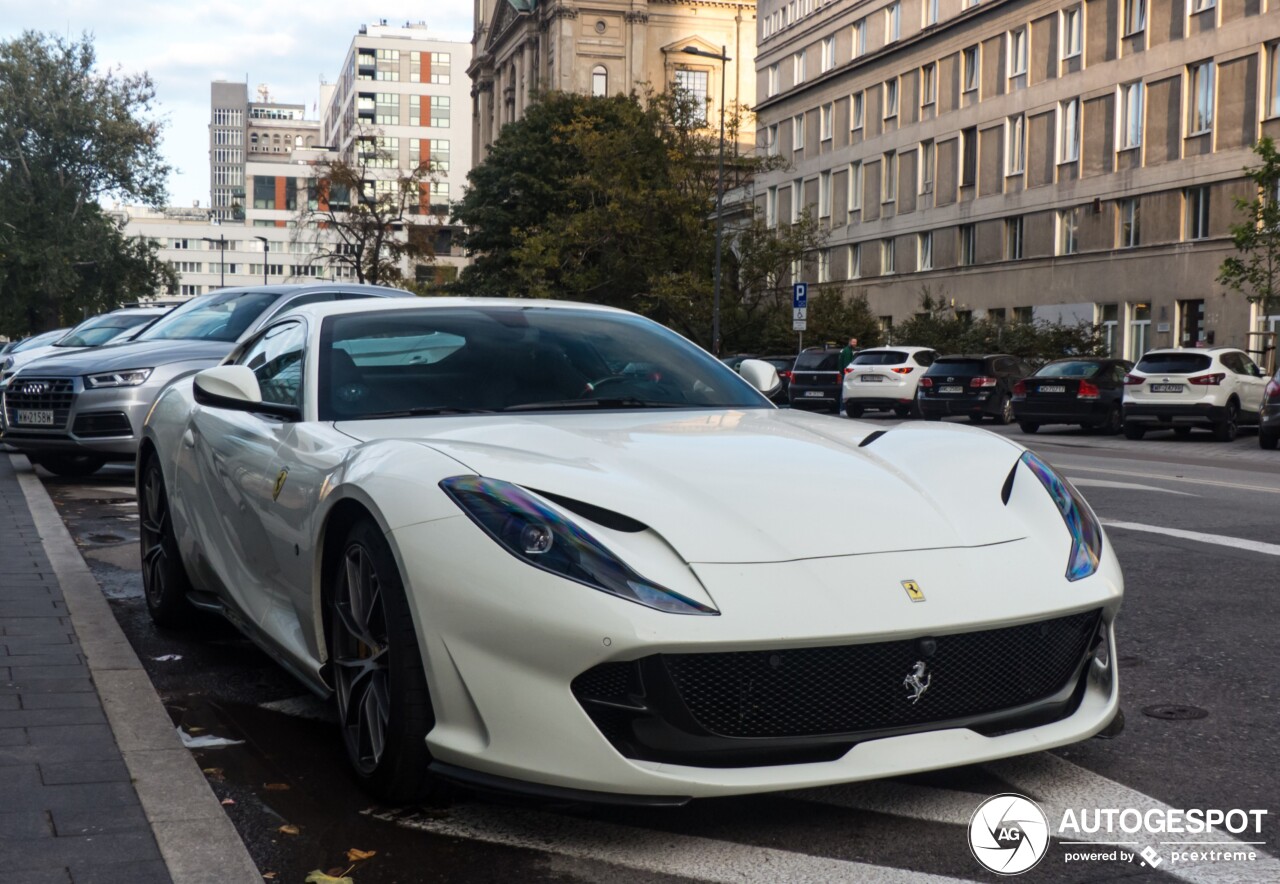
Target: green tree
point(1255, 270)
point(72, 136)
point(937, 326)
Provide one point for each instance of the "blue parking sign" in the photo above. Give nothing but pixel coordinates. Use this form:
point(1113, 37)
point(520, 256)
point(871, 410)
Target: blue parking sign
point(800, 295)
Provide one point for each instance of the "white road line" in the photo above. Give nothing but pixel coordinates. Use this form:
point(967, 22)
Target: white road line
point(1107, 483)
point(1058, 785)
point(1266, 489)
point(898, 799)
point(704, 859)
point(1270, 549)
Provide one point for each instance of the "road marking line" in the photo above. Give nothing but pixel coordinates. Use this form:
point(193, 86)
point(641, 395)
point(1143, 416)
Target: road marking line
point(1270, 549)
point(1107, 483)
point(907, 800)
point(703, 859)
point(1239, 485)
point(1058, 785)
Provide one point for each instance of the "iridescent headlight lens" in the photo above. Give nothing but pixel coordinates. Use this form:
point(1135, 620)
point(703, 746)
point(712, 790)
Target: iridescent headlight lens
point(130, 378)
point(538, 535)
point(1086, 533)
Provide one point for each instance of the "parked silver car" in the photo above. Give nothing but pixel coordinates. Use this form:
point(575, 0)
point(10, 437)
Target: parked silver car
point(73, 413)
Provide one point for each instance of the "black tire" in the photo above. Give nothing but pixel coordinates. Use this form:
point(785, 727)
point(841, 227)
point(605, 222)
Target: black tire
point(1114, 423)
point(1028, 426)
point(902, 411)
point(1182, 432)
point(853, 411)
point(1134, 431)
point(933, 417)
point(1269, 441)
point(70, 465)
point(1004, 416)
point(380, 686)
point(1227, 429)
point(976, 418)
point(165, 584)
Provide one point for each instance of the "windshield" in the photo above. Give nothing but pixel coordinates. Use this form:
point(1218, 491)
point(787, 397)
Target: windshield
point(880, 357)
point(222, 316)
point(97, 331)
point(1173, 363)
point(1069, 370)
point(40, 340)
point(452, 360)
point(819, 360)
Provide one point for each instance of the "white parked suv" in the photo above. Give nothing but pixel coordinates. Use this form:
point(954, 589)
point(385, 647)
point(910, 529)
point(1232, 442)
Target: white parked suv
point(885, 377)
point(1217, 388)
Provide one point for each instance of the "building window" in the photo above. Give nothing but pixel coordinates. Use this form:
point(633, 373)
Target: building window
point(797, 199)
point(388, 64)
point(888, 257)
point(1200, 5)
point(825, 116)
point(1130, 104)
point(1130, 223)
point(927, 160)
point(1013, 238)
point(968, 245)
point(1273, 80)
point(775, 79)
point(1069, 130)
point(387, 109)
point(1069, 231)
point(892, 22)
point(824, 265)
point(1139, 331)
point(1017, 43)
point(264, 192)
point(889, 177)
point(599, 81)
point(1196, 212)
point(439, 112)
point(1109, 318)
point(855, 186)
point(1200, 118)
point(771, 141)
point(693, 85)
point(928, 84)
point(924, 251)
point(1016, 147)
point(930, 12)
point(1072, 34)
point(859, 38)
point(824, 194)
point(797, 68)
point(971, 69)
point(857, 104)
point(1135, 16)
point(771, 208)
point(828, 53)
point(797, 132)
point(891, 98)
point(968, 156)
point(855, 261)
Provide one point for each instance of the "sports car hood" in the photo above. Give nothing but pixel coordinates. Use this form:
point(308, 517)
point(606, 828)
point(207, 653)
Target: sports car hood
point(746, 486)
point(133, 354)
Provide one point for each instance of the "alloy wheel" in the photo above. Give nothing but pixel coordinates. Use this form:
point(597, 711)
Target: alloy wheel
point(154, 523)
point(360, 659)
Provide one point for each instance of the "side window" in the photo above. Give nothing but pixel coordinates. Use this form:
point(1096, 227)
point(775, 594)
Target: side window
point(1003, 365)
point(1232, 362)
point(1117, 374)
point(276, 358)
point(1250, 367)
point(924, 357)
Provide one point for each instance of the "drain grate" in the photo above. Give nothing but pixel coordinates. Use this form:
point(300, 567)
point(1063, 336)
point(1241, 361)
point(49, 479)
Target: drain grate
point(1175, 712)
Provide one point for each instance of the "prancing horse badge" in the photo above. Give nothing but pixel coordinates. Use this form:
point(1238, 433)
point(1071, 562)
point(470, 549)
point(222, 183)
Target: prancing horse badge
point(275, 492)
point(913, 590)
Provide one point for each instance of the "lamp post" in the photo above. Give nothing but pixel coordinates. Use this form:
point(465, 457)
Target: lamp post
point(266, 253)
point(222, 257)
point(715, 306)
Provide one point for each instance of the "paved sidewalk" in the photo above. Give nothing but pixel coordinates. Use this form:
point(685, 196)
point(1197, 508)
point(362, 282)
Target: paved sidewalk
point(94, 784)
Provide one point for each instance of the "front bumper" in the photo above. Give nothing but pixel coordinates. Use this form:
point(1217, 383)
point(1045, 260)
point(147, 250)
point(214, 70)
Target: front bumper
point(504, 644)
point(1191, 414)
point(103, 423)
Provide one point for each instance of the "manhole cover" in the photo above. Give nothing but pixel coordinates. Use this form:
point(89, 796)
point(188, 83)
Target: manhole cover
point(1175, 712)
point(105, 538)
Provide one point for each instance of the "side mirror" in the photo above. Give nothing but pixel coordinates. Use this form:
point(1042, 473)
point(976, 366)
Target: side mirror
point(761, 375)
point(235, 387)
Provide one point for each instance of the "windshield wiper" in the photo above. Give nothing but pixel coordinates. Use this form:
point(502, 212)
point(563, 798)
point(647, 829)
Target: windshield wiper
point(424, 411)
point(617, 402)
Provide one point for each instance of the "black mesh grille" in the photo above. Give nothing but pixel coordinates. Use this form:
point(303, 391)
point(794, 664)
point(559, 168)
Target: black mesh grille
point(608, 681)
point(851, 688)
point(38, 394)
point(107, 423)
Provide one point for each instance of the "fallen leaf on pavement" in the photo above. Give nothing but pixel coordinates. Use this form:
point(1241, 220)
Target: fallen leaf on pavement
point(270, 876)
point(276, 787)
point(319, 877)
point(355, 855)
point(227, 802)
point(214, 772)
point(289, 829)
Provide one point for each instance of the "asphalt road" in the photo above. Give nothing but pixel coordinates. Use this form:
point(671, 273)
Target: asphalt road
point(1197, 636)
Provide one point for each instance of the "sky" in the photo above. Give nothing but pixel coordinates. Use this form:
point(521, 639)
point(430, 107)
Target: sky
point(290, 45)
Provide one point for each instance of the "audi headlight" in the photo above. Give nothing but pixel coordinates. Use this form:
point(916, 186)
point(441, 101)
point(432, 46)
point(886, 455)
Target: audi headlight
point(130, 378)
point(1086, 533)
point(537, 535)
point(6, 363)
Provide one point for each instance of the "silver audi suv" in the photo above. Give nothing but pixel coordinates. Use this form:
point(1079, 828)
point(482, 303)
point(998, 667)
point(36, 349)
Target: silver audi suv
point(73, 413)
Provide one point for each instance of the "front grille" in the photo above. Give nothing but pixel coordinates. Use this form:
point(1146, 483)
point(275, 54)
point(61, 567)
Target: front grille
point(39, 394)
point(103, 423)
point(852, 688)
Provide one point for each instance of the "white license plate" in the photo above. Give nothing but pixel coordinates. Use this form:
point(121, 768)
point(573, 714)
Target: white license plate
point(951, 389)
point(871, 377)
point(1166, 388)
point(814, 393)
point(36, 418)
point(1054, 389)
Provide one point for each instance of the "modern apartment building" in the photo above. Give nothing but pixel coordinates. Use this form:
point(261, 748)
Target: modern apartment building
point(1072, 159)
point(605, 48)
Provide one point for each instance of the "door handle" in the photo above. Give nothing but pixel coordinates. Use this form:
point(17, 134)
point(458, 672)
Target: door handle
point(188, 439)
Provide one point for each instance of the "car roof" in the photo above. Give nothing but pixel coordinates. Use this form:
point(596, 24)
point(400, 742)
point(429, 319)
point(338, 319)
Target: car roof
point(893, 348)
point(1201, 350)
point(340, 308)
point(1086, 359)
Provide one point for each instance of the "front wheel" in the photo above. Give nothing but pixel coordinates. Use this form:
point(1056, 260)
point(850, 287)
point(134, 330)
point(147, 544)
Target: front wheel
point(380, 686)
point(70, 465)
point(164, 579)
point(1028, 426)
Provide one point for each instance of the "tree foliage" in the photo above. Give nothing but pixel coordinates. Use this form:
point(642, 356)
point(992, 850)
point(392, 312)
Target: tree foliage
point(1255, 270)
point(72, 136)
point(367, 219)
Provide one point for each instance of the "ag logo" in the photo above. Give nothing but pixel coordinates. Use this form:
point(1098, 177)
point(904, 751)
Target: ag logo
point(1008, 834)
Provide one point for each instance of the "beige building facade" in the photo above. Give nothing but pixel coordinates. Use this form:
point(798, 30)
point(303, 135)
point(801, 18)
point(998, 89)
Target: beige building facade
point(605, 47)
point(1059, 159)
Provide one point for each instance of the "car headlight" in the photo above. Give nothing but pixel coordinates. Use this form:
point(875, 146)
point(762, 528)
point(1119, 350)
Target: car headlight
point(541, 537)
point(6, 363)
point(1086, 533)
point(130, 378)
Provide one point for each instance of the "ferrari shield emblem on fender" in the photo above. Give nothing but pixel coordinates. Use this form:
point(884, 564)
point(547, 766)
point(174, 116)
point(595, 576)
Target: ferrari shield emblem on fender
point(279, 486)
point(913, 590)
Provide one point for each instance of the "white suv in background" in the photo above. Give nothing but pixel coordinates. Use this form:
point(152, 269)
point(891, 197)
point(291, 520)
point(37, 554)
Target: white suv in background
point(885, 377)
point(1217, 388)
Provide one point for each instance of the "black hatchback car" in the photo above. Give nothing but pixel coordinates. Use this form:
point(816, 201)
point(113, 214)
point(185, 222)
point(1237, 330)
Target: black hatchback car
point(815, 379)
point(975, 386)
point(1080, 390)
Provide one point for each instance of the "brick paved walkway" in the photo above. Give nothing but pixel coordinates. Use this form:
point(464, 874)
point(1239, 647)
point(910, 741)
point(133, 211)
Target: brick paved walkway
point(68, 811)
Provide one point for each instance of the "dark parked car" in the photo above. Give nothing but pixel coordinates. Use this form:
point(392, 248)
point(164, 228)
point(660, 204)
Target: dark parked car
point(1080, 390)
point(815, 379)
point(975, 386)
point(782, 363)
point(1269, 416)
